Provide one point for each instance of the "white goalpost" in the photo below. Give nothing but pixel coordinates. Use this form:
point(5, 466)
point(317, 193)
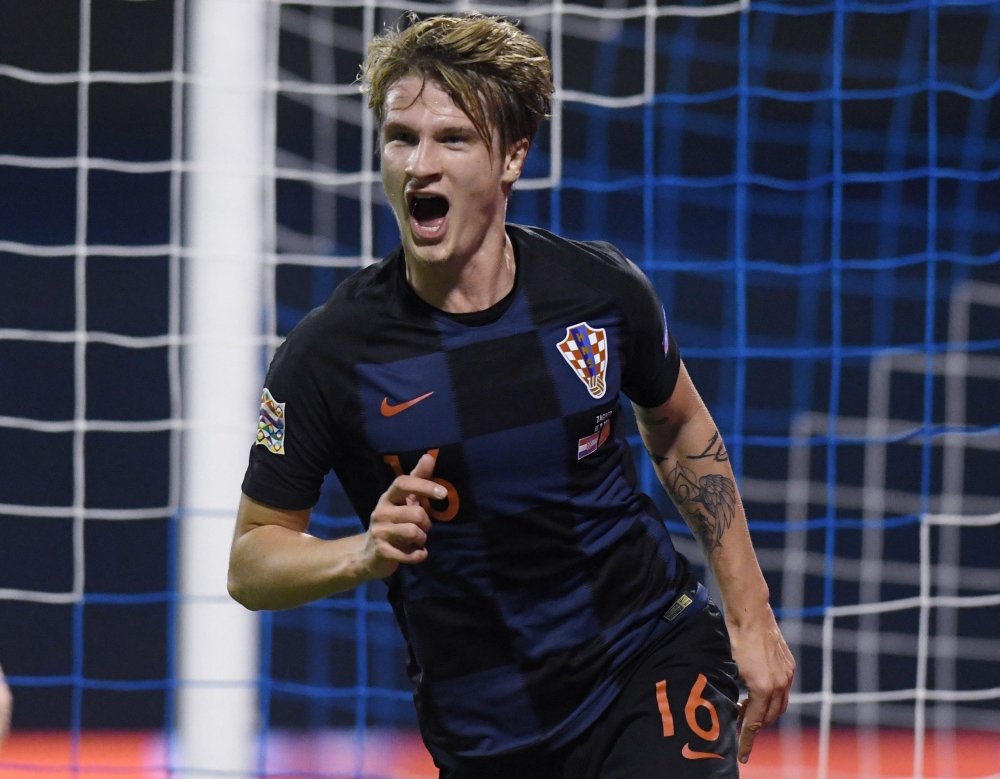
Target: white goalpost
point(222, 367)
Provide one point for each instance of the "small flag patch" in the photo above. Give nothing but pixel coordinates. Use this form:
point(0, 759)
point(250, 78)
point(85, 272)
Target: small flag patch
point(271, 426)
point(590, 444)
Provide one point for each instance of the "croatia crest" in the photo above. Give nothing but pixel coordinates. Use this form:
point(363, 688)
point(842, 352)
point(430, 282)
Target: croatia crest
point(271, 427)
point(586, 351)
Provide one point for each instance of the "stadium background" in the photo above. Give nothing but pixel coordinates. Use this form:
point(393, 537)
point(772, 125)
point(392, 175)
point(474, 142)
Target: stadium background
point(814, 189)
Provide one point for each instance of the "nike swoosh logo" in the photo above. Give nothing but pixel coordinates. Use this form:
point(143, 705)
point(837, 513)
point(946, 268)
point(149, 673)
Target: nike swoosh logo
point(690, 754)
point(391, 411)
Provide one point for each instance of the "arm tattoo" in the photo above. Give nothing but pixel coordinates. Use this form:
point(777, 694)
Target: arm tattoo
point(705, 530)
point(715, 450)
point(716, 495)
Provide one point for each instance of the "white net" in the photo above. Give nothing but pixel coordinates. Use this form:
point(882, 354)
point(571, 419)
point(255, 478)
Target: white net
point(813, 190)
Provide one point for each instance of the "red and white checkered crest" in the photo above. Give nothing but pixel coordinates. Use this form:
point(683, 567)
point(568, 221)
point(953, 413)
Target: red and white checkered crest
point(586, 351)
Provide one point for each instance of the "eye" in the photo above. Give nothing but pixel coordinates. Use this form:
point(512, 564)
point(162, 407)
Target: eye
point(400, 136)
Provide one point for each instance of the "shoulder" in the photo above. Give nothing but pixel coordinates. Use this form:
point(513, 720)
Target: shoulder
point(596, 264)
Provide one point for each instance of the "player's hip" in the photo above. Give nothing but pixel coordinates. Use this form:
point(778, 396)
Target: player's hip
point(674, 717)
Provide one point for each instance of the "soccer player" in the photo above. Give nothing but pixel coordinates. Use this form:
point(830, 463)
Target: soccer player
point(466, 392)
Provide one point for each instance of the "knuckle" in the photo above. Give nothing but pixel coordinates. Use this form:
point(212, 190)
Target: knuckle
point(414, 533)
point(415, 515)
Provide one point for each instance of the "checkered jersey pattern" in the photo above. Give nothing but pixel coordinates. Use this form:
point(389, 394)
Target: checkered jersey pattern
point(546, 571)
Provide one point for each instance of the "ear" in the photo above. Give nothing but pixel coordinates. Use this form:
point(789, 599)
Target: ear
point(513, 162)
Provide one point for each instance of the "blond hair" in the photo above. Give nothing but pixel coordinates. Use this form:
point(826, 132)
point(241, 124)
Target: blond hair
point(498, 75)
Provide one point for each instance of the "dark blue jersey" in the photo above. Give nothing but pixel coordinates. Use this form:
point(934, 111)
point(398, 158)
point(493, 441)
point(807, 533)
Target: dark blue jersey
point(547, 569)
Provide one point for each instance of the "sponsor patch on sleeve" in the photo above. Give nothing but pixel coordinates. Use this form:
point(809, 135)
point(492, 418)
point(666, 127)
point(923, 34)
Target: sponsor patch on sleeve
point(271, 426)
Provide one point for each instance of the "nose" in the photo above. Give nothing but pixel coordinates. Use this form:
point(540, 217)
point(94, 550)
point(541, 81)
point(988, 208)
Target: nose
point(423, 162)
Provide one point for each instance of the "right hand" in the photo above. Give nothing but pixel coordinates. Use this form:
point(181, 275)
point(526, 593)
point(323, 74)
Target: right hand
point(399, 524)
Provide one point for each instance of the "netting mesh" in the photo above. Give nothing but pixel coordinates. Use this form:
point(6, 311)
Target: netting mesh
point(814, 189)
point(90, 154)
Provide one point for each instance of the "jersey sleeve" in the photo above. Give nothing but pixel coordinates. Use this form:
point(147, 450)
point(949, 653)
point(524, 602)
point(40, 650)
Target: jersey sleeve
point(292, 452)
point(652, 358)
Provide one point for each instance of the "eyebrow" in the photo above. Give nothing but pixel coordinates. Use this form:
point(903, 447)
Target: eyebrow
point(463, 130)
point(448, 130)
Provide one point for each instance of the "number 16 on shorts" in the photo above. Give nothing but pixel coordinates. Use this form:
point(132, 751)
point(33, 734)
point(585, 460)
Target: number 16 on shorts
point(699, 714)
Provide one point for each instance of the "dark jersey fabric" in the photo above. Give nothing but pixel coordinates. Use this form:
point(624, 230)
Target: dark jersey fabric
point(547, 568)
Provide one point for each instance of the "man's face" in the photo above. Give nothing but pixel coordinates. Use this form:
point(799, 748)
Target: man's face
point(445, 188)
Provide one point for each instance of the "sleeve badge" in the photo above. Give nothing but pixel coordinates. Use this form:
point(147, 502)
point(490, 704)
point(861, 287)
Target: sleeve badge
point(271, 426)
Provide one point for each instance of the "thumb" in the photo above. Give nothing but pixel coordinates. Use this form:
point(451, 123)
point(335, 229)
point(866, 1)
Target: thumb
point(424, 468)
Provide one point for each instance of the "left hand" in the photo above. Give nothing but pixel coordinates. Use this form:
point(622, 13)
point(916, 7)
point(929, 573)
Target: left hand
point(766, 667)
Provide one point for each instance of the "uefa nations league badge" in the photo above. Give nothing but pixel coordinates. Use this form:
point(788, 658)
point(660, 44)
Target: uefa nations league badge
point(271, 426)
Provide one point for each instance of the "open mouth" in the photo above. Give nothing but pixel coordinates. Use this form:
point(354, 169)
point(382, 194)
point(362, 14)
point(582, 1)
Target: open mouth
point(428, 213)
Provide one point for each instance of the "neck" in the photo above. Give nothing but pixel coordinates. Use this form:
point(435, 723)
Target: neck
point(470, 284)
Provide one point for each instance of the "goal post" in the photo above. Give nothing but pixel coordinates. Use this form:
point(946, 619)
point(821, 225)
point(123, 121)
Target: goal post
point(222, 365)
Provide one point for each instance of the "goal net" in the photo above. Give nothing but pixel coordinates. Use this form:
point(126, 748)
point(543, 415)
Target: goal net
point(814, 190)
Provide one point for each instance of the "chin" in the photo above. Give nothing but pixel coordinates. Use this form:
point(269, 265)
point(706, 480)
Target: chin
point(428, 252)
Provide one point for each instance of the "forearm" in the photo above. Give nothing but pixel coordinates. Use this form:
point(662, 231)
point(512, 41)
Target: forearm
point(273, 567)
point(275, 564)
point(692, 464)
point(691, 461)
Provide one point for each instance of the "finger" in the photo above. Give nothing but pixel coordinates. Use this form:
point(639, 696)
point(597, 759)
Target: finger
point(782, 693)
point(787, 692)
point(774, 708)
point(390, 552)
point(408, 513)
point(741, 710)
point(404, 486)
point(779, 702)
point(753, 719)
point(424, 468)
point(405, 536)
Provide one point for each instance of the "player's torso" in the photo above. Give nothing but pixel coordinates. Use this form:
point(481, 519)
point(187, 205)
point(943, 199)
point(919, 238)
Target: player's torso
point(544, 563)
point(512, 411)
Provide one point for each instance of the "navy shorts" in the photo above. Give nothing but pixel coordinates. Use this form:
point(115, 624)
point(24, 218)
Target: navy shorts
point(675, 718)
